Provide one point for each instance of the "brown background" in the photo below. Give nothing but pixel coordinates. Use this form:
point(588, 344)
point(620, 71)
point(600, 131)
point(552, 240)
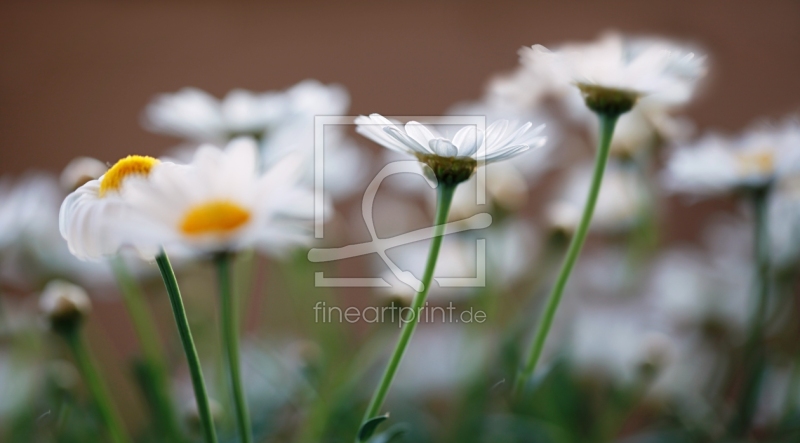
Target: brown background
point(74, 78)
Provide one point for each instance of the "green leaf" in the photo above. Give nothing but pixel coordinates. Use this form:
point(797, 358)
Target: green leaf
point(368, 427)
point(391, 434)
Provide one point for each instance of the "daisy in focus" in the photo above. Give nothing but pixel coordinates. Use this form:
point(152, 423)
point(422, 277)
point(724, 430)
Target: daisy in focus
point(220, 202)
point(453, 160)
point(717, 164)
point(614, 72)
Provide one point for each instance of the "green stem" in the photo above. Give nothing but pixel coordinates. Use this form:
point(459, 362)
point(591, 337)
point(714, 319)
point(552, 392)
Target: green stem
point(445, 197)
point(230, 340)
point(145, 328)
point(792, 394)
point(607, 123)
point(94, 383)
point(196, 371)
point(754, 362)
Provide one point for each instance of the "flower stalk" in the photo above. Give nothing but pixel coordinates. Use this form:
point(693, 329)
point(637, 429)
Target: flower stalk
point(230, 339)
point(754, 362)
point(94, 382)
point(608, 121)
point(444, 199)
point(195, 370)
point(153, 364)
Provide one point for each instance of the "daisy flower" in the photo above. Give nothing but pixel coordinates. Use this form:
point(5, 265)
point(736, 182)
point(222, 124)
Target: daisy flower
point(717, 164)
point(453, 160)
point(220, 202)
point(614, 72)
point(94, 219)
point(196, 115)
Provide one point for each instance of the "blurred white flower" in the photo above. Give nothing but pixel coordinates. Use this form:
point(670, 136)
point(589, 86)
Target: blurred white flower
point(691, 380)
point(81, 170)
point(18, 383)
point(31, 247)
point(453, 261)
point(64, 304)
point(716, 164)
point(94, 219)
point(282, 122)
point(699, 291)
point(522, 89)
point(195, 115)
point(637, 66)
point(221, 202)
point(344, 165)
point(508, 248)
point(621, 340)
point(644, 128)
point(505, 188)
point(620, 205)
point(443, 357)
point(783, 218)
point(502, 141)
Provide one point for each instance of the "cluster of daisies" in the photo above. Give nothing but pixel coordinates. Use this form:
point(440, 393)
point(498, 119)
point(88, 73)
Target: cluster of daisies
point(244, 179)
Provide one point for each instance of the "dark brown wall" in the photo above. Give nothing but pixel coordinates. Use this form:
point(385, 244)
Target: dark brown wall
point(74, 78)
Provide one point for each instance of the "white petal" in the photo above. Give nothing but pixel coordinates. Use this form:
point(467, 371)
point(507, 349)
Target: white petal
point(443, 147)
point(495, 131)
point(466, 139)
point(419, 133)
point(412, 146)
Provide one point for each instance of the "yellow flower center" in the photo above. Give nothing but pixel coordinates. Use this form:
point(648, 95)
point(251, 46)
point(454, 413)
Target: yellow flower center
point(756, 163)
point(214, 217)
point(128, 166)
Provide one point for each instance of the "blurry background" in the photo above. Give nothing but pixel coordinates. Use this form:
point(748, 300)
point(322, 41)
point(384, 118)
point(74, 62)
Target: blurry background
point(75, 77)
point(74, 80)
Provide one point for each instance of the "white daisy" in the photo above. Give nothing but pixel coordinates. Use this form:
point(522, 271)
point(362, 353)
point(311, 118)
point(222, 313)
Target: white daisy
point(95, 221)
point(716, 164)
point(220, 202)
point(452, 159)
point(613, 72)
point(196, 115)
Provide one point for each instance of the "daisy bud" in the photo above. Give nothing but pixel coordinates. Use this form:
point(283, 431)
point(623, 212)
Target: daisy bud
point(80, 171)
point(64, 305)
